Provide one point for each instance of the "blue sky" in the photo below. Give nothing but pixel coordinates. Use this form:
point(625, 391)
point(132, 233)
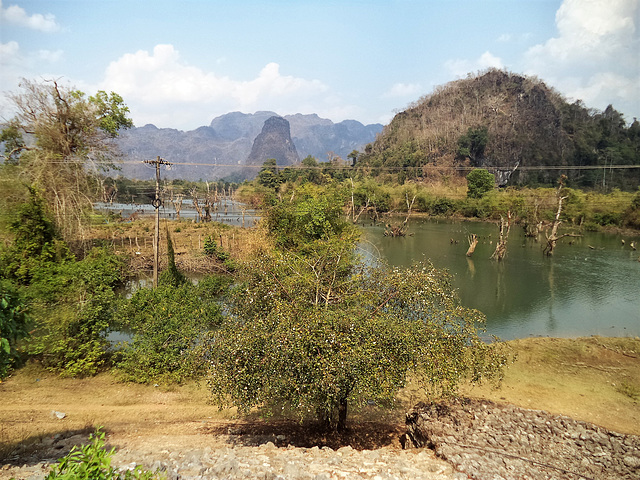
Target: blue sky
point(179, 64)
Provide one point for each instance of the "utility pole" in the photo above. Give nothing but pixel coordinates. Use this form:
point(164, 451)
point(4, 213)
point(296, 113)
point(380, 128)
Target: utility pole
point(156, 204)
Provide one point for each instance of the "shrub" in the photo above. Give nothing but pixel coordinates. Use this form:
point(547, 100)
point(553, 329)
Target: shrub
point(93, 462)
point(316, 334)
point(442, 206)
point(73, 305)
point(479, 182)
point(13, 326)
point(169, 325)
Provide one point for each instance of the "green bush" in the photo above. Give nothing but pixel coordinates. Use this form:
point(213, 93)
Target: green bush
point(607, 218)
point(35, 244)
point(13, 326)
point(169, 324)
point(442, 206)
point(319, 335)
point(73, 305)
point(212, 249)
point(311, 217)
point(93, 462)
point(479, 182)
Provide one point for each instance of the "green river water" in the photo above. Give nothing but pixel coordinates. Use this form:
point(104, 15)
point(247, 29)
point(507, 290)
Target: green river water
point(590, 286)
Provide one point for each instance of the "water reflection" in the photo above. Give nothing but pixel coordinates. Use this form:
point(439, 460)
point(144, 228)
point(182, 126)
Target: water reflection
point(591, 286)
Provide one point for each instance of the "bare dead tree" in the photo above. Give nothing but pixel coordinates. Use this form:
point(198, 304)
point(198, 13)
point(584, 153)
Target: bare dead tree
point(176, 200)
point(196, 205)
point(501, 247)
point(473, 243)
point(401, 229)
point(552, 239)
point(533, 224)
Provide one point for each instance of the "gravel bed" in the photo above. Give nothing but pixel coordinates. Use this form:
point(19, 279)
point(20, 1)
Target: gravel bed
point(264, 462)
point(493, 441)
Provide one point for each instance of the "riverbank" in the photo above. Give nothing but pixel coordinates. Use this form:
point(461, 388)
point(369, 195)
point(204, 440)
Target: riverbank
point(594, 379)
point(134, 240)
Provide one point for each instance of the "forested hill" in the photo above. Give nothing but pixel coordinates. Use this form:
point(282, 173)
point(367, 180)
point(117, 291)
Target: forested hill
point(504, 120)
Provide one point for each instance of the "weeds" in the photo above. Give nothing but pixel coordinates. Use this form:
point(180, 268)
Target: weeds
point(628, 389)
point(93, 462)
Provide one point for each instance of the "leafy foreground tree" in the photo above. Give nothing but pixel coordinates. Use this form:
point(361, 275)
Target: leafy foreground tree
point(73, 303)
point(314, 335)
point(70, 302)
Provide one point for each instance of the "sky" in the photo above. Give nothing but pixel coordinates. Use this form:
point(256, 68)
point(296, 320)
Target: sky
point(179, 64)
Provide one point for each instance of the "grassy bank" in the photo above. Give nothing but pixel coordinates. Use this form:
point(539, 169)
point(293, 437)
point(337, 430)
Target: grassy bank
point(593, 379)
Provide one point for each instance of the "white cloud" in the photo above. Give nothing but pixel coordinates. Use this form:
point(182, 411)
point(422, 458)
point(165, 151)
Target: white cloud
point(595, 55)
point(16, 64)
point(9, 51)
point(50, 56)
point(403, 90)
point(460, 68)
point(608, 88)
point(18, 16)
point(160, 88)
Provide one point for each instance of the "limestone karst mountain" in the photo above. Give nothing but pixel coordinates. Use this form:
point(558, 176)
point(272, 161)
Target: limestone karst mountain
point(221, 149)
point(274, 141)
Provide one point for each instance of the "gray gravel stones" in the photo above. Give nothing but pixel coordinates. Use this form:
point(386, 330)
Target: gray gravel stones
point(268, 462)
point(486, 440)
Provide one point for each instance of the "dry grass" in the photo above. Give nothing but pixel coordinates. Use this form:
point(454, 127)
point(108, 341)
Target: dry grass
point(135, 240)
point(31, 395)
point(593, 379)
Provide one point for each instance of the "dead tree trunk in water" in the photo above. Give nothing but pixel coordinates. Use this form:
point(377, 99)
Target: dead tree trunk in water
point(532, 224)
point(501, 247)
point(177, 204)
point(552, 239)
point(473, 243)
point(196, 205)
point(400, 230)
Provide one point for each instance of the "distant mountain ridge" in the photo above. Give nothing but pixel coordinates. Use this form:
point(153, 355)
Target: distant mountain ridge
point(222, 149)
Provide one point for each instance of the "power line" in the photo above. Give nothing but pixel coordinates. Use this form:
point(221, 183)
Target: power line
point(324, 165)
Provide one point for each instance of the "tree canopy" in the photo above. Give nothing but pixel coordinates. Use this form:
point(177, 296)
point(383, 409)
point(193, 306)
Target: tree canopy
point(311, 330)
point(479, 182)
point(71, 144)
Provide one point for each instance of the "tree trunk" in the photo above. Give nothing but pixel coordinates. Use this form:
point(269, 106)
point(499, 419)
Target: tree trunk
point(501, 247)
point(473, 242)
point(400, 230)
point(342, 415)
point(552, 239)
point(177, 204)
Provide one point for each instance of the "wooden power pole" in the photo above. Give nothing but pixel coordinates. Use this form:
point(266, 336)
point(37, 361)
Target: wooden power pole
point(156, 204)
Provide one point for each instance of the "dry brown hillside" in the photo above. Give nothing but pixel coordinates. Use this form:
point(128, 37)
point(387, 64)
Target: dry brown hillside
point(501, 119)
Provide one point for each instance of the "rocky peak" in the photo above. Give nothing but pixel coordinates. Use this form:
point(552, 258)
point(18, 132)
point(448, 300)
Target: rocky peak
point(273, 142)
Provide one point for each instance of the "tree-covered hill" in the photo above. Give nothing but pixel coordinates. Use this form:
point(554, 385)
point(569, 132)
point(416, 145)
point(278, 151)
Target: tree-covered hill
point(505, 120)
